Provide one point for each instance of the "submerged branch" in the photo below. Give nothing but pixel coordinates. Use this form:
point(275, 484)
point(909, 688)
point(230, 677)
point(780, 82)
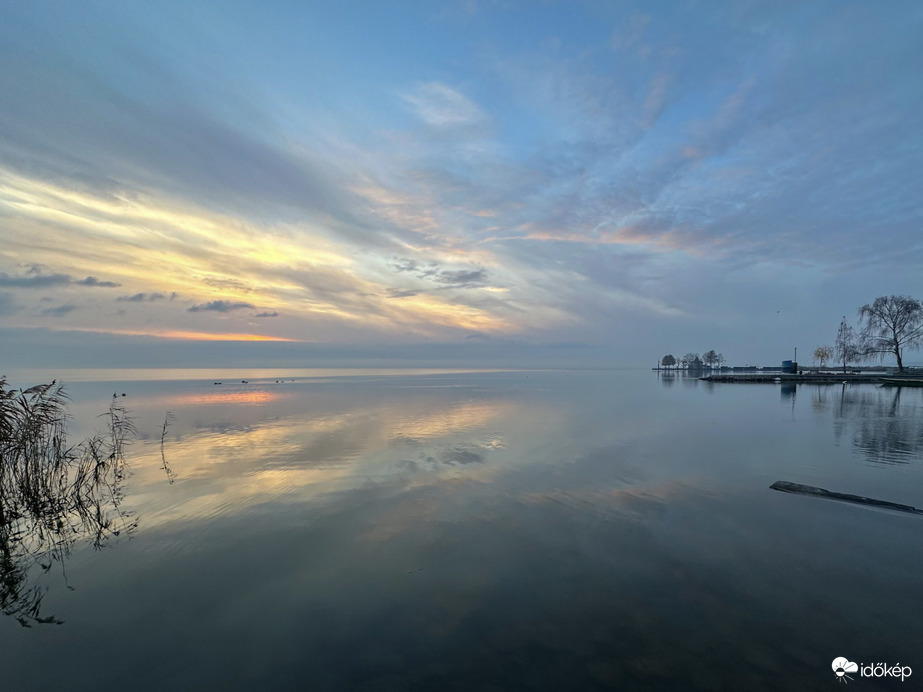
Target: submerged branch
point(168, 419)
point(797, 488)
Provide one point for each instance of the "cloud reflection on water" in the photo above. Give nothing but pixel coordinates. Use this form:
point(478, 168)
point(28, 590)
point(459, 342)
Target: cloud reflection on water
point(606, 532)
point(319, 447)
point(311, 442)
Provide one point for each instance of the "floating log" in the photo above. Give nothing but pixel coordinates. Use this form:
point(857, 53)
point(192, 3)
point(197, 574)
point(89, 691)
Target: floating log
point(797, 488)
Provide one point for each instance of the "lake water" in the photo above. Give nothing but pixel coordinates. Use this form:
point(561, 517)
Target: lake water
point(487, 531)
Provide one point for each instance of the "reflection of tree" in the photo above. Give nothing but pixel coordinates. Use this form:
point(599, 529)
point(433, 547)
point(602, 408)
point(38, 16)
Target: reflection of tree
point(689, 377)
point(819, 399)
point(789, 391)
point(885, 428)
point(53, 495)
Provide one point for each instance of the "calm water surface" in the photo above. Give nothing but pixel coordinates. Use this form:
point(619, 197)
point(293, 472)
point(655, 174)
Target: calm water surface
point(488, 531)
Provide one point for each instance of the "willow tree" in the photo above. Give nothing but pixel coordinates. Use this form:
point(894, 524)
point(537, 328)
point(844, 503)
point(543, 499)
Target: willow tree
point(822, 354)
point(891, 324)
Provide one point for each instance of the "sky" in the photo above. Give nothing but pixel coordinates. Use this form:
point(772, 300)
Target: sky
point(471, 182)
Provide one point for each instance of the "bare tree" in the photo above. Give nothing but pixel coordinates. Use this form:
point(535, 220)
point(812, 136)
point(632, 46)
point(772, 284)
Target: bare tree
point(847, 344)
point(710, 358)
point(822, 354)
point(691, 360)
point(668, 361)
point(891, 324)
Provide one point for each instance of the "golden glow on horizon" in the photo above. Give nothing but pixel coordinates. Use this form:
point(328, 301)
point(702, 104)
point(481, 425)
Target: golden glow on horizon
point(179, 335)
point(208, 336)
point(152, 246)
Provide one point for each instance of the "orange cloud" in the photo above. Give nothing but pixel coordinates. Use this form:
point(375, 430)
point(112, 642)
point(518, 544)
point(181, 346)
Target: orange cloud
point(181, 335)
point(625, 235)
point(207, 336)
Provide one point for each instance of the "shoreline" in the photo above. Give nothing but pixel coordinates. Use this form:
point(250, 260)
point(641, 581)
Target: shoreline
point(807, 378)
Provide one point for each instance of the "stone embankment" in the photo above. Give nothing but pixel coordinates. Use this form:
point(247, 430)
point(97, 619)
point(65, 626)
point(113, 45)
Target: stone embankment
point(806, 378)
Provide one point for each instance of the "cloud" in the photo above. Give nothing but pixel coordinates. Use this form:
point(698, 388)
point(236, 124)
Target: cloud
point(657, 97)
point(72, 122)
point(414, 267)
point(93, 281)
point(59, 311)
point(448, 278)
point(462, 278)
point(220, 306)
point(630, 34)
point(142, 297)
point(6, 304)
point(535, 191)
point(35, 280)
point(227, 283)
point(401, 293)
point(267, 314)
point(440, 106)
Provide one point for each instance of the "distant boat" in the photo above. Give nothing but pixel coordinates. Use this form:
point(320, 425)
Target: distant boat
point(902, 381)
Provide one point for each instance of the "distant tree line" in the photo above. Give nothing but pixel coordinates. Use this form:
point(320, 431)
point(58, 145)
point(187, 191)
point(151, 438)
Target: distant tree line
point(887, 326)
point(692, 361)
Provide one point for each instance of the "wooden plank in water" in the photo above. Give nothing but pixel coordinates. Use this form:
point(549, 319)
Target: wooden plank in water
point(797, 488)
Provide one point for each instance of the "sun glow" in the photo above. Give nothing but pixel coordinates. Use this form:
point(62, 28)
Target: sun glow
point(181, 335)
point(193, 258)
